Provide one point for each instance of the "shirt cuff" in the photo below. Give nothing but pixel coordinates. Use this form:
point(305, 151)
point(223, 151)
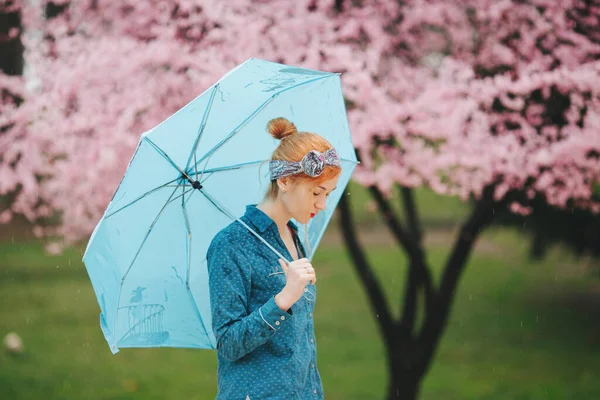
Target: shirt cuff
point(272, 315)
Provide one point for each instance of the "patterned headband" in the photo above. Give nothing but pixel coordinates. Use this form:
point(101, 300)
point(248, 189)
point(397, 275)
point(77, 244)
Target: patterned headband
point(312, 164)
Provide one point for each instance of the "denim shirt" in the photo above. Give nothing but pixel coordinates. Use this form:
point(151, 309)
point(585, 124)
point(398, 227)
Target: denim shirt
point(263, 352)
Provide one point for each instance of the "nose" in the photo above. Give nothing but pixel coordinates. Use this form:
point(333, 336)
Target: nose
point(320, 205)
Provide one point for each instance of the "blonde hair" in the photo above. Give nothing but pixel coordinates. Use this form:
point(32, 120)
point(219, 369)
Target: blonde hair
point(294, 145)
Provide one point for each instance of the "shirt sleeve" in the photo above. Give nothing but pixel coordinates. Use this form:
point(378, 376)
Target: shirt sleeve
point(238, 331)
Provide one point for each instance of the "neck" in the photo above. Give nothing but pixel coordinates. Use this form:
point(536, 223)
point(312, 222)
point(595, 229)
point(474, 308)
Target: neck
point(277, 212)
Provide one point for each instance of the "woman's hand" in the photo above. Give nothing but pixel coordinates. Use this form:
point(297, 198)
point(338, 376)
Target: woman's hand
point(297, 275)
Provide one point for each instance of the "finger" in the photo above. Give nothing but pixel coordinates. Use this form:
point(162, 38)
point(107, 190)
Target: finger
point(283, 265)
point(303, 265)
point(297, 262)
point(309, 277)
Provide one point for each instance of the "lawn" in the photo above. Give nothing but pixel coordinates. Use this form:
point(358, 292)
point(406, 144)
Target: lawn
point(519, 330)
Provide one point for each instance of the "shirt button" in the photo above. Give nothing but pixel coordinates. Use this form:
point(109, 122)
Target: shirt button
point(276, 322)
point(310, 315)
point(315, 391)
point(282, 317)
point(311, 340)
point(312, 365)
point(306, 289)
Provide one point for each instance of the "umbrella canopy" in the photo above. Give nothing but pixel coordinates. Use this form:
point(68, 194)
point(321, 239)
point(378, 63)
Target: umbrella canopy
point(191, 176)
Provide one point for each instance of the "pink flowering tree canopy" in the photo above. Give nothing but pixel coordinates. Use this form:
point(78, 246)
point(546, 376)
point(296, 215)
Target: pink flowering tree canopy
point(457, 96)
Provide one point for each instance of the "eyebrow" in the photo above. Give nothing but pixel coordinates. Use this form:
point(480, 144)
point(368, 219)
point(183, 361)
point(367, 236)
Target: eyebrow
point(324, 188)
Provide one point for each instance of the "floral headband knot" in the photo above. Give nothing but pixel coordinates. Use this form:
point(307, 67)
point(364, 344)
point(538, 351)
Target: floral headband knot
point(312, 164)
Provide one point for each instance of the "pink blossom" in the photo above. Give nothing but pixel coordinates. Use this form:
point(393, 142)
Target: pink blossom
point(465, 97)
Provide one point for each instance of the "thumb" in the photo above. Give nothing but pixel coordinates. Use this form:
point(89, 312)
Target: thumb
point(283, 265)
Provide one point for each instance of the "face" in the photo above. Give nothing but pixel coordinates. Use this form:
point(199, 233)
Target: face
point(306, 199)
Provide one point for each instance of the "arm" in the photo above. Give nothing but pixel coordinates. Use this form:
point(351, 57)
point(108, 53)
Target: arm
point(237, 331)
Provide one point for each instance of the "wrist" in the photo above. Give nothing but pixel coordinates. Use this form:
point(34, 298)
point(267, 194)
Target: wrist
point(283, 301)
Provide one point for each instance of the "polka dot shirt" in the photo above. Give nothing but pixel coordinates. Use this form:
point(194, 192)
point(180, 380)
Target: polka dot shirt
point(263, 352)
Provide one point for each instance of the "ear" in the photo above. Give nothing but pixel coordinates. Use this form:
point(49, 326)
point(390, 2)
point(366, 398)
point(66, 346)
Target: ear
point(283, 183)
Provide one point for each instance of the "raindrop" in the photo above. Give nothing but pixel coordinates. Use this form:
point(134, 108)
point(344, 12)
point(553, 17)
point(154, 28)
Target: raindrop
point(57, 266)
point(521, 323)
point(470, 297)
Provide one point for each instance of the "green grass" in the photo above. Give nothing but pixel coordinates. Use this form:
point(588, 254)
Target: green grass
point(519, 330)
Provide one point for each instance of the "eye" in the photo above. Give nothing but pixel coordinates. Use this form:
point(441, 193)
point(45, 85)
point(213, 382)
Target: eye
point(316, 194)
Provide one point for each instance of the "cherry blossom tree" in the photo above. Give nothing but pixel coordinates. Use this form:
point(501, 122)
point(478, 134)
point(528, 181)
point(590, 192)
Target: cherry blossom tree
point(508, 118)
point(497, 102)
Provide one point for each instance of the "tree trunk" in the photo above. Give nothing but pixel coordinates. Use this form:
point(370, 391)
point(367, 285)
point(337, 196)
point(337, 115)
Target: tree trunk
point(410, 349)
point(403, 385)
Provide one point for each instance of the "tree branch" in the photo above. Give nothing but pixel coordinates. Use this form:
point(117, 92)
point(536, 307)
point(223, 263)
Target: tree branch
point(433, 328)
point(416, 257)
point(409, 309)
point(405, 240)
point(410, 212)
point(481, 217)
point(374, 290)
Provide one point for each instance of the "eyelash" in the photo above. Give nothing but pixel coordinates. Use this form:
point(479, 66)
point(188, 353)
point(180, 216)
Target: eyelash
point(327, 195)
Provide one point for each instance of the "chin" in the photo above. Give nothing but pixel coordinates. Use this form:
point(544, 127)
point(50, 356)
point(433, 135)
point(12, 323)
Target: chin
point(303, 221)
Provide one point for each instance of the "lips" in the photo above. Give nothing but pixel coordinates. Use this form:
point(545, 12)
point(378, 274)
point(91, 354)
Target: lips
point(312, 215)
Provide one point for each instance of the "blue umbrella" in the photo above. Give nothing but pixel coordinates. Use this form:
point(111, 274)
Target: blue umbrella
point(191, 176)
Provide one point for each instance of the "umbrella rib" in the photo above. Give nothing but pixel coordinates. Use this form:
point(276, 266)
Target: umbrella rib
point(189, 243)
point(189, 190)
point(133, 261)
point(255, 112)
point(189, 263)
point(189, 197)
point(147, 235)
point(203, 170)
point(166, 157)
point(350, 161)
point(231, 167)
point(168, 184)
point(201, 129)
point(231, 216)
point(123, 177)
point(195, 166)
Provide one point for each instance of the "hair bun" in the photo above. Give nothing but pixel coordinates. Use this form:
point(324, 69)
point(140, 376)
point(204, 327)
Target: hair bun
point(280, 128)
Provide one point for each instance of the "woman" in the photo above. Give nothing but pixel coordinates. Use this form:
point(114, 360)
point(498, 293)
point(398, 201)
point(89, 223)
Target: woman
point(262, 309)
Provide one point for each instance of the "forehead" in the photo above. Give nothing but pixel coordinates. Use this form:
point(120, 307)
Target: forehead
point(329, 184)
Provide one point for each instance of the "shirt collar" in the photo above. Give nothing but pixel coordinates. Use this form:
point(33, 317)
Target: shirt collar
point(261, 220)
